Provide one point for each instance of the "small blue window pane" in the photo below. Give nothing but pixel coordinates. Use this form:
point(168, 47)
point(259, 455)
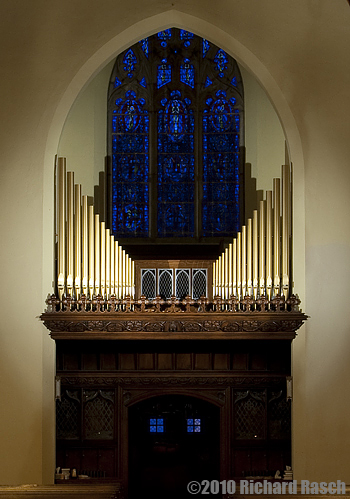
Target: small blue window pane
point(117, 82)
point(186, 36)
point(164, 36)
point(145, 46)
point(187, 73)
point(160, 421)
point(197, 421)
point(190, 421)
point(160, 429)
point(221, 61)
point(153, 429)
point(197, 429)
point(205, 47)
point(208, 82)
point(129, 62)
point(143, 82)
point(153, 421)
point(189, 429)
point(163, 73)
point(234, 81)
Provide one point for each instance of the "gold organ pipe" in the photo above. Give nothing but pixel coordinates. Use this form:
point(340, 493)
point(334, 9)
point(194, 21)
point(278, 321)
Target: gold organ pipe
point(244, 260)
point(226, 273)
point(112, 245)
point(77, 234)
point(285, 228)
point(214, 278)
point(249, 258)
point(276, 234)
point(108, 263)
point(219, 276)
point(269, 270)
point(70, 232)
point(97, 255)
point(262, 227)
point(123, 273)
point(85, 245)
point(223, 274)
point(103, 258)
point(133, 278)
point(234, 267)
point(255, 254)
point(120, 272)
point(129, 276)
point(230, 284)
point(91, 252)
point(61, 222)
point(238, 264)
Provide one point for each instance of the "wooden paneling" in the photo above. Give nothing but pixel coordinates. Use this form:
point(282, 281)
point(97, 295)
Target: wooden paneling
point(202, 361)
point(165, 361)
point(127, 361)
point(183, 361)
point(145, 361)
point(221, 361)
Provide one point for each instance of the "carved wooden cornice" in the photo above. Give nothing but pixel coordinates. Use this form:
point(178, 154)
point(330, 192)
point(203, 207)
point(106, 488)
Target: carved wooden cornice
point(173, 318)
point(171, 381)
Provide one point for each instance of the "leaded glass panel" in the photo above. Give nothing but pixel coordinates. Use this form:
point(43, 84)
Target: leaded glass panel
point(175, 118)
point(199, 283)
point(182, 283)
point(148, 283)
point(165, 283)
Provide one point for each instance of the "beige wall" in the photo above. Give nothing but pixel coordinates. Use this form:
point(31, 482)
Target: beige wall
point(298, 51)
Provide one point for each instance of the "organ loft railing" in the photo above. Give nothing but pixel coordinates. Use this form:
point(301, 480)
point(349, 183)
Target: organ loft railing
point(248, 289)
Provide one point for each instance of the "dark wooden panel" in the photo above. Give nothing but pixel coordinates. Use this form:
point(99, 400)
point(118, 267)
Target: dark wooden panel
point(108, 362)
point(202, 361)
point(127, 361)
point(145, 361)
point(165, 361)
point(89, 459)
point(89, 361)
point(221, 361)
point(72, 458)
point(106, 461)
point(239, 361)
point(70, 361)
point(259, 461)
point(183, 361)
point(241, 462)
point(258, 361)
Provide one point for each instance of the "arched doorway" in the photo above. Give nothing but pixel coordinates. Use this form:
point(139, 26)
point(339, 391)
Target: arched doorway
point(173, 440)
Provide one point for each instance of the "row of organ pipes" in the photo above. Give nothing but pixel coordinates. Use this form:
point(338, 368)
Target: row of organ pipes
point(90, 261)
point(257, 262)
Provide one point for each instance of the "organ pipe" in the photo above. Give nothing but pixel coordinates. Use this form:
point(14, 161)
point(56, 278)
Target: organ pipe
point(258, 259)
point(90, 261)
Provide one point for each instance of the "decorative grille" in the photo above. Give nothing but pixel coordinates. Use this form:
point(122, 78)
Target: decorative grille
point(165, 283)
point(279, 416)
point(182, 283)
point(199, 283)
point(250, 415)
point(67, 415)
point(98, 414)
point(148, 283)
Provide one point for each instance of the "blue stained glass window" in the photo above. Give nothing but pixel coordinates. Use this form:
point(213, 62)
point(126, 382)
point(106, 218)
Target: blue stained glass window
point(156, 425)
point(117, 82)
point(208, 82)
point(175, 168)
point(194, 425)
point(130, 129)
point(205, 47)
point(234, 81)
point(186, 36)
point(163, 73)
point(187, 73)
point(164, 36)
point(220, 206)
point(143, 82)
point(145, 46)
point(221, 62)
point(129, 62)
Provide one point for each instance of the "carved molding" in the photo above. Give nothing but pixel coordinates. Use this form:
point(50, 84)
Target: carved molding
point(193, 326)
point(156, 382)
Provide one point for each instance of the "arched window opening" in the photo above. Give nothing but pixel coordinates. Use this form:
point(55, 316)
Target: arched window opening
point(175, 139)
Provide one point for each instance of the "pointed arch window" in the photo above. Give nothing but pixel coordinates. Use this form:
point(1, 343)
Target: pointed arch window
point(175, 135)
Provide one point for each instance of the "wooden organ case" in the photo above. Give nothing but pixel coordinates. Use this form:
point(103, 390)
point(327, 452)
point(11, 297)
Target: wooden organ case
point(134, 358)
